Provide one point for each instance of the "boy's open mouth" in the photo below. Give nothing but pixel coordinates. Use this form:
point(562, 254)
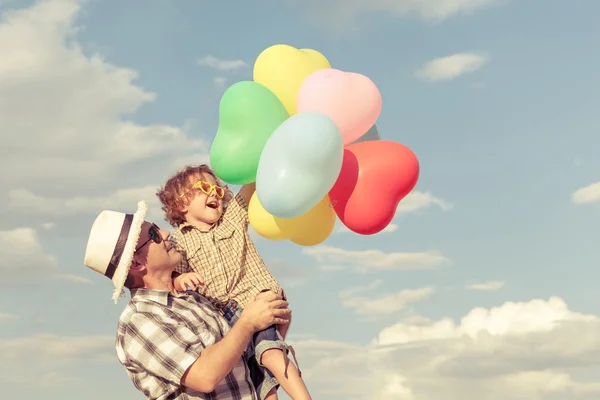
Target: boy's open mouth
point(213, 204)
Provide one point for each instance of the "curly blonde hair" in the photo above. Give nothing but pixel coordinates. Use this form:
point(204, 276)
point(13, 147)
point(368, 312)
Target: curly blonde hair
point(177, 192)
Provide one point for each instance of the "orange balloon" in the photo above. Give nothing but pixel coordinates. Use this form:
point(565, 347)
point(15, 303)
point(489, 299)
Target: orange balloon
point(375, 177)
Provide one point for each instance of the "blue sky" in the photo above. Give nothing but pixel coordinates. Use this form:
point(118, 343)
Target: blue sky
point(100, 101)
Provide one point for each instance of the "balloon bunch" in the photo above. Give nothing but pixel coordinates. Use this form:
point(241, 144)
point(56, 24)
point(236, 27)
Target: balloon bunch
point(306, 134)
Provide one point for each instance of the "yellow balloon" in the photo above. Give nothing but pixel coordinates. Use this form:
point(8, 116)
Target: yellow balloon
point(314, 226)
point(308, 229)
point(282, 69)
point(264, 223)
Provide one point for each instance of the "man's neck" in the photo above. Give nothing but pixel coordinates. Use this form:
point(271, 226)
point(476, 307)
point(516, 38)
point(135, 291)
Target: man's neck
point(162, 281)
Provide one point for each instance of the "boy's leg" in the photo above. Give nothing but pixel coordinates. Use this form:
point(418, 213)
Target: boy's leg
point(288, 376)
point(271, 352)
point(265, 384)
point(272, 395)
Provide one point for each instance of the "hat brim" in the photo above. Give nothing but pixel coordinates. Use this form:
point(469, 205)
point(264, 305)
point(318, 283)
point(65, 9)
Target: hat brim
point(122, 269)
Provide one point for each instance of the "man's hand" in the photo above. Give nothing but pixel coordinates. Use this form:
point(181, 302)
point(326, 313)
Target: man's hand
point(190, 279)
point(264, 310)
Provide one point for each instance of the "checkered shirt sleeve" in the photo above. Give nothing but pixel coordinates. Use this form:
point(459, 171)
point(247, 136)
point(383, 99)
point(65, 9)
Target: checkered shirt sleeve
point(164, 350)
point(237, 212)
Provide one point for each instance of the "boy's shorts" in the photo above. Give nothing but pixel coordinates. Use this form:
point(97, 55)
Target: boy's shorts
point(262, 341)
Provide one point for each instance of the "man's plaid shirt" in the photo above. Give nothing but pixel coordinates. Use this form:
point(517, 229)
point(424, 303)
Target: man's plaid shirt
point(225, 257)
point(160, 335)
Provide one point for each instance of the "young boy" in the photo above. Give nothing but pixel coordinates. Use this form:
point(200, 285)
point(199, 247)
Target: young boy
point(221, 262)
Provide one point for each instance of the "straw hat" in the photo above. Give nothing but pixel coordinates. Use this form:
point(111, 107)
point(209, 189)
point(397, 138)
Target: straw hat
point(111, 244)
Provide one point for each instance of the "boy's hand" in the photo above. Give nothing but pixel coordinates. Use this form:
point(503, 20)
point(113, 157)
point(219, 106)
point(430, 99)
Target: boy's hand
point(247, 191)
point(190, 279)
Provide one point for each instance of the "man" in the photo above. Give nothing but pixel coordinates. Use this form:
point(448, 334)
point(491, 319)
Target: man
point(173, 346)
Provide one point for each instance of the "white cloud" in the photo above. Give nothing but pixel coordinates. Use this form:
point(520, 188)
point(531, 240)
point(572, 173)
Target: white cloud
point(65, 113)
point(517, 351)
point(373, 260)
point(587, 194)
point(220, 81)
point(222, 65)
point(418, 200)
point(450, 67)
point(55, 380)
point(191, 159)
point(289, 275)
point(23, 256)
point(26, 201)
point(7, 316)
point(486, 286)
point(390, 228)
point(48, 225)
point(363, 304)
point(24, 261)
point(344, 15)
point(55, 349)
point(42, 360)
point(76, 279)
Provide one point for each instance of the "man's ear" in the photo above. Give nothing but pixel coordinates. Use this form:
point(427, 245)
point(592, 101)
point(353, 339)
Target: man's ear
point(136, 265)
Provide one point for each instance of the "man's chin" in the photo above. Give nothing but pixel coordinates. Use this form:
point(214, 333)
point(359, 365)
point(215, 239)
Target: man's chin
point(176, 257)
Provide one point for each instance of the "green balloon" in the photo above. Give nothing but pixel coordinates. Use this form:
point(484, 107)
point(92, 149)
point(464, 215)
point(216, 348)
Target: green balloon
point(248, 115)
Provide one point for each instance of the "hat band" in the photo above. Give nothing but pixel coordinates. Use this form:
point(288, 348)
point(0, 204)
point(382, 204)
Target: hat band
point(118, 251)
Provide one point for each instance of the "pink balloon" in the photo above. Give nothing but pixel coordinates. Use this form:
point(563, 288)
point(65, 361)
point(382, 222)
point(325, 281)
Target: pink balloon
point(351, 100)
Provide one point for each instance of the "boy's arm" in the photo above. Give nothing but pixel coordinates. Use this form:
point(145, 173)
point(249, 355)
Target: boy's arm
point(237, 209)
point(247, 191)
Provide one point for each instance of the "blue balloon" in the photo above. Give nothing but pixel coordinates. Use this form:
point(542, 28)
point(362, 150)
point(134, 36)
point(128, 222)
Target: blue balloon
point(299, 164)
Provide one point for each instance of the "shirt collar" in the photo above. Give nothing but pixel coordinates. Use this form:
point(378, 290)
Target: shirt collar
point(158, 296)
point(186, 226)
point(222, 228)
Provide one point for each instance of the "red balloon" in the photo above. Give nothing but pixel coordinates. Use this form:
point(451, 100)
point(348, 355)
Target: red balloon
point(375, 177)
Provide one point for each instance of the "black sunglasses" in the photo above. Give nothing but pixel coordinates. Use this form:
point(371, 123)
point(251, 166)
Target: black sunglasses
point(154, 234)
